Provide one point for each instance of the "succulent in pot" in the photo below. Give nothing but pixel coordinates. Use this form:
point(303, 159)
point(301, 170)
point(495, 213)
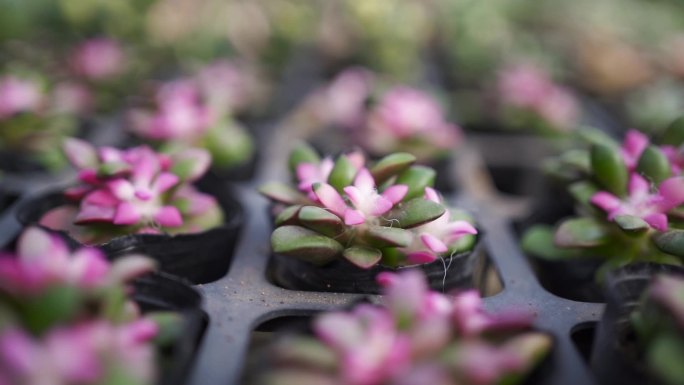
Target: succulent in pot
point(34, 119)
point(628, 201)
point(138, 199)
point(414, 336)
point(352, 220)
point(199, 111)
point(68, 318)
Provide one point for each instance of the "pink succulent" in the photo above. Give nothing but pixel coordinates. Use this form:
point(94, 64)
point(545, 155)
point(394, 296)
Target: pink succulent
point(471, 320)
point(529, 87)
point(140, 189)
point(180, 114)
point(82, 354)
point(346, 96)
point(18, 95)
point(225, 86)
point(676, 157)
point(99, 59)
point(652, 207)
point(433, 239)
point(367, 202)
point(43, 260)
point(406, 113)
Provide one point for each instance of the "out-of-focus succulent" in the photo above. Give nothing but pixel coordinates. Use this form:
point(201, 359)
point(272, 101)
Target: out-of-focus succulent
point(65, 317)
point(416, 336)
point(134, 191)
point(199, 112)
point(629, 200)
point(386, 213)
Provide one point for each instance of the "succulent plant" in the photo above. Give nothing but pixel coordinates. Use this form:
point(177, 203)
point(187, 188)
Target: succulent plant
point(385, 213)
point(659, 325)
point(384, 118)
point(416, 336)
point(66, 318)
point(529, 98)
point(135, 191)
point(199, 112)
point(629, 199)
point(35, 118)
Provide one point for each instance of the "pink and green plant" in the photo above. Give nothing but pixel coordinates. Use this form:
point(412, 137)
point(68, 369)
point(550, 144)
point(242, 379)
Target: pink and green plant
point(199, 111)
point(35, 118)
point(528, 98)
point(367, 214)
point(629, 199)
point(134, 191)
point(414, 336)
point(67, 318)
point(384, 118)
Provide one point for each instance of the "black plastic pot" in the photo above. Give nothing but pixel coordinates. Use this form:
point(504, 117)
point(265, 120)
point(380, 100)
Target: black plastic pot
point(461, 271)
point(163, 292)
point(614, 357)
point(572, 279)
point(198, 257)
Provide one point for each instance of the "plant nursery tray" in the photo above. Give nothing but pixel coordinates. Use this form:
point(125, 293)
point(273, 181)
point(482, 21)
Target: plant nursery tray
point(245, 299)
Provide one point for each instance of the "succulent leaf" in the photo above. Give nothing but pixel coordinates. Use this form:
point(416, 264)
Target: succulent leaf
point(305, 244)
point(391, 165)
point(417, 178)
point(580, 232)
point(289, 216)
point(674, 134)
point(381, 236)
point(654, 165)
point(342, 174)
point(671, 242)
point(414, 213)
point(363, 257)
point(609, 168)
point(281, 192)
point(631, 224)
point(321, 220)
point(302, 153)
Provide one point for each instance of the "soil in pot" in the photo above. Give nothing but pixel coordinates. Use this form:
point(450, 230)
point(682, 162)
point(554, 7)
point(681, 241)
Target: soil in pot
point(461, 271)
point(198, 257)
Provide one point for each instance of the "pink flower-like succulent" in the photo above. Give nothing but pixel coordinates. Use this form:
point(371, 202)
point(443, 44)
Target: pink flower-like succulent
point(407, 113)
point(85, 353)
point(44, 260)
point(434, 238)
point(18, 95)
point(224, 85)
point(633, 146)
point(641, 202)
point(140, 189)
point(346, 96)
point(99, 59)
point(363, 195)
point(308, 174)
point(528, 87)
point(180, 114)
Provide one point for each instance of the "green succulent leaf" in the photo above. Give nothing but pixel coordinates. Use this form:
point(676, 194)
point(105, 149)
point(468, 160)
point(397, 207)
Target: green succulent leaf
point(417, 178)
point(414, 213)
point(391, 165)
point(363, 257)
point(170, 326)
point(114, 168)
point(631, 224)
point(302, 153)
point(321, 220)
point(305, 244)
point(281, 192)
point(609, 169)
point(538, 242)
point(582, 192)
point(342, 174)
point(381, 236)
point(674, 134)
point(671, 242)
point(654, 165)
point(580, 232)
point(288, 216)
point(55, 306)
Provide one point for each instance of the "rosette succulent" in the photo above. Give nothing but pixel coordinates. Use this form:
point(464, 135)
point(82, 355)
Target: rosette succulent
point(659, 325)
point(528, 98)
point(35, 118)
point(134, 191)
point(200, 112)
point(384, 118)
point(628, 198)
point(415, 336)
point(66, 318)
point(367, 214)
